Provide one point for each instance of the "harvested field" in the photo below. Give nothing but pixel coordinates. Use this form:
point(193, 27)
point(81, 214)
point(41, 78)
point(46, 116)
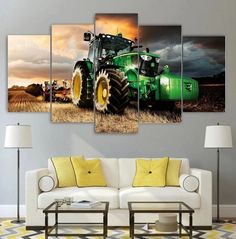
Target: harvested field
point(20, 101)
point(159, 117)
point(69, 113)
point(111, 123)
point(211, 99)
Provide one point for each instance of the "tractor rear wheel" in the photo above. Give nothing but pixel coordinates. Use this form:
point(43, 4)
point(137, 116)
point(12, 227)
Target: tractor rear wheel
point(111, 91)
point(82, 87)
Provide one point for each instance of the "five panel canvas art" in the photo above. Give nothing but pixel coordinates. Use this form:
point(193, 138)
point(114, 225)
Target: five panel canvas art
point(116, 73)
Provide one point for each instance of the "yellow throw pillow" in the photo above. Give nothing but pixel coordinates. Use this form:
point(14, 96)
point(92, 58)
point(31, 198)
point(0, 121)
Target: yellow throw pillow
point(80, 157)
point(172, 174)
point(88, 173)
point(64, 171)
point(151, 173)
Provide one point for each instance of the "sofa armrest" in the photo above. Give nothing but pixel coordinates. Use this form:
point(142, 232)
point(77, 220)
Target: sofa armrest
point(205, 188)
point(205, 181)
point(32, 189)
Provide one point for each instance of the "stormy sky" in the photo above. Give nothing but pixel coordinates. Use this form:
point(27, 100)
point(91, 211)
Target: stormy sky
point(203, 56)
point(68, 46)
point(127, 24)
point(165, 41)
point(28, 59)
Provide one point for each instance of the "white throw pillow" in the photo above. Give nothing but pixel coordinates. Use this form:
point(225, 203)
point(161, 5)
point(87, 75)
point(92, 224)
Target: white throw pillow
point(47, 183)
point(188, 182)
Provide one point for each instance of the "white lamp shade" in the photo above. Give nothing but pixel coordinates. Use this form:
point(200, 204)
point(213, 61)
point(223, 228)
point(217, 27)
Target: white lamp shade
point(18, 136)
point(218, 136)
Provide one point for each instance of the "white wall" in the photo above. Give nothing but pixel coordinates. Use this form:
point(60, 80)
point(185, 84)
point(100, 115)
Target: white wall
point(202, 17)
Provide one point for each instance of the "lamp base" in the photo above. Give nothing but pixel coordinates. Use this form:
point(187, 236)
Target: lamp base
point(215, 220)
point(18, 221)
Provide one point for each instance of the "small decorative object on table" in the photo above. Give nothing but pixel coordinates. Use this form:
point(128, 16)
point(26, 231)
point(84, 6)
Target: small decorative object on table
point(86, 204)
point(167, 223)
point(68, 200)
point(59, 202)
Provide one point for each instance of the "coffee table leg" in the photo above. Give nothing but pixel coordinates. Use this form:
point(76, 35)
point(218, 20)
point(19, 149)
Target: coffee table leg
point(105, 225)
point(180, 224)
point(131, 225)
point(46, 226)
point(190, 225)
point(56, 222)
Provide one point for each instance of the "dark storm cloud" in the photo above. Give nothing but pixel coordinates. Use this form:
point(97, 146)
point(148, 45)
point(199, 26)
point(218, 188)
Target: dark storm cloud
point(165, 41)
point(214, 42)
point(203, 56)
point(160, 35)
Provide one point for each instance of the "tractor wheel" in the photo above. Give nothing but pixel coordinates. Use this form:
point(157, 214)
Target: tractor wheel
point(81, 91)
point(111, 91)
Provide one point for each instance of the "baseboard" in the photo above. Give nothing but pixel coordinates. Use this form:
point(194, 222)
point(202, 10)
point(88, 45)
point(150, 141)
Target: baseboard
point(226, 210)
point(9, 211)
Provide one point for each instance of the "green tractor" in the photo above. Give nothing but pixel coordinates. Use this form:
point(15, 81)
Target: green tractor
point(122, 75)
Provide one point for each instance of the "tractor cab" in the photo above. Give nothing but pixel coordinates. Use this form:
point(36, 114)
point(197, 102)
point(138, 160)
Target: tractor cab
point(105, 46)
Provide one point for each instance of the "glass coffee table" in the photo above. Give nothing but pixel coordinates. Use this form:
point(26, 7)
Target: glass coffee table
point(160, 207)
point(62, 228)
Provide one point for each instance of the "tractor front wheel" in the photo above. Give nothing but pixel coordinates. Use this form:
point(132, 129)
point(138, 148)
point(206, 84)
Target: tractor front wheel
point(81, 93)
point(111, 91)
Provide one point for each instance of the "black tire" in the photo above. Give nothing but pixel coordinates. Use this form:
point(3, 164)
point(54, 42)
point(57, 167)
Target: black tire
point(118, 90)
point(85, 98)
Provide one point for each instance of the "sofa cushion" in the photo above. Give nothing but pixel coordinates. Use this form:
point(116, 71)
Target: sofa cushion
point(110, 170)
point(127, 170)
point(130, 194)
point(88, 173)
point(151, 173)
point(92, 193)
point(64, 171)
point(172, 173)
point(109, 167)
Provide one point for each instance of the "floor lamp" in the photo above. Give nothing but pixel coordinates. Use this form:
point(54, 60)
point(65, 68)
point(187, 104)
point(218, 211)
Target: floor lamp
point(18, 136)
point(218, 136)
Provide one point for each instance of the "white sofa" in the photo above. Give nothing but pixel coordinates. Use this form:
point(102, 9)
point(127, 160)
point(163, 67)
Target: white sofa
point(119, 173)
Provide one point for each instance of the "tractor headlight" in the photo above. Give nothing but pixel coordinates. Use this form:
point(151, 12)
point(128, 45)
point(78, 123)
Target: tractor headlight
point(157, 60)
point(146, 58)
point(164, 81)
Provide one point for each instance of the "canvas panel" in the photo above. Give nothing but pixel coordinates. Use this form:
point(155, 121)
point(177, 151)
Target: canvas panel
point(71, 75)
point(204, 61)
point(28, 73)
point(116, 87)
point(160, 74)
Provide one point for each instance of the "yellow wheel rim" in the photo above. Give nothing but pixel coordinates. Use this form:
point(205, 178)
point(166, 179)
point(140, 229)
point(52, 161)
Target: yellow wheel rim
point(77, 86)
point(102, 92)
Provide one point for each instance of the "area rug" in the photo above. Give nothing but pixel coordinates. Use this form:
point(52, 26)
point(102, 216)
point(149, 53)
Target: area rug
point(13, 231)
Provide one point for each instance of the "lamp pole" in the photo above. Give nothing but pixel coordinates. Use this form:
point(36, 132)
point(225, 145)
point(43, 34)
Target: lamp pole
point(218, 185)
point(18, 185)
